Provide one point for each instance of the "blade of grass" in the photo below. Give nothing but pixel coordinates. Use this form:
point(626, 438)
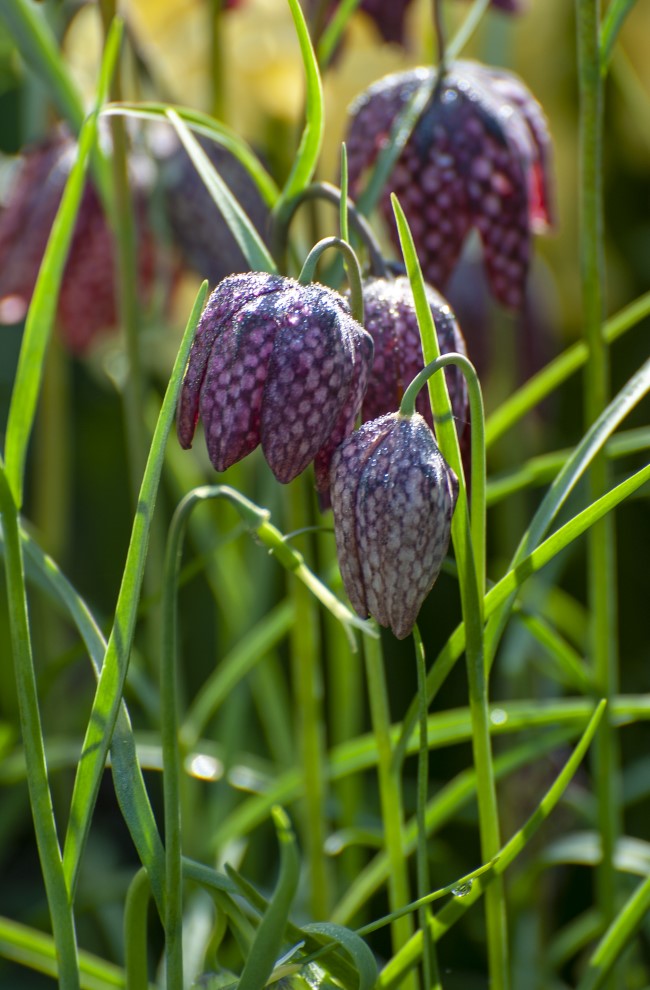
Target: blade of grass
point(628, 920)
point(37, 951)
point(37, 45)
point(311, 141)
point(203, 123)
point(395, 970)
point(468, 537)
point(546, 381)
point(127, 774)
point(111, 681)
point(269, 936)
point(610, 27)
point(42, 310)
point(40, 797)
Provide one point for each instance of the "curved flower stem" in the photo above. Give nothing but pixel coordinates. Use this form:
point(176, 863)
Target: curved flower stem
point(477, 420)
point(390, 793)
point(602, 537)
point(352, 267)
point(330, 194)
point(429, 954)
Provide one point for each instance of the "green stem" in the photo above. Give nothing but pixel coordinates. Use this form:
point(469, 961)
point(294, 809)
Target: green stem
point(126, 268)
point(467, 28)
point(330, 194)
point(471, 581)
point(352, 267)
point(58, 895)
point(601, 546)
point(429, 955)
point(389, 792)
point(305, 642)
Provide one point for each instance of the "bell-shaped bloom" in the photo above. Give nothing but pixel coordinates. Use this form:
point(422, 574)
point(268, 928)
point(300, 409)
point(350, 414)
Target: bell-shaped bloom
point(477, 158)
point(87, 305)
point(391, 320)
point(393, 497)
point(199, 232)
point(277, 363)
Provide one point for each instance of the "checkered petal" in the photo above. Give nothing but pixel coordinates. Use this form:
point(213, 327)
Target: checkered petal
point(393, 497)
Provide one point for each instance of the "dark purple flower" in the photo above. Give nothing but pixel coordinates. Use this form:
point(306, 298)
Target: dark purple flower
point(199, 231)
point(393, 497)
point(277, 363)
point(478, 157)
point(87, 305)
point(391, 321)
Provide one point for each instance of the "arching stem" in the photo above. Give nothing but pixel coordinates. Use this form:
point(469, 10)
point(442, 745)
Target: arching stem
point(352, 266)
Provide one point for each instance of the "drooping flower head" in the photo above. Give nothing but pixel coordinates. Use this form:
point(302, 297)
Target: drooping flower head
point(200, 234)
point(393, 497)
point(391, 320)
point(87, 305)
point(278, 363)
point(478, 157)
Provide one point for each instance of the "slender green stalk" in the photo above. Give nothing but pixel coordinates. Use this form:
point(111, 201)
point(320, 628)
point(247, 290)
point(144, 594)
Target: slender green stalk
point(126, 255)
point(307, 676)
point(58, 894)
point(471, 584)
point(601, 546)
point(390, 793)
point(352, 268)
point(429, 955)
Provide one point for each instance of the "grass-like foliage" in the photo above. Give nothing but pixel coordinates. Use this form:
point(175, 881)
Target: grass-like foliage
point(216, 769)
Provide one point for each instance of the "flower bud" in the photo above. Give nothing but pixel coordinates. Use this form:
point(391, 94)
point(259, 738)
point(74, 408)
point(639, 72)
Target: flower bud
point(278, 363)
point(393, 496)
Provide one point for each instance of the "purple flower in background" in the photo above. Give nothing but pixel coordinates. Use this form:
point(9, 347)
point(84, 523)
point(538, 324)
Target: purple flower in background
point(277, 363)
point(87, 304)
point(478, 157)
point(200, 234)
point(391, 321)
point(393, 497)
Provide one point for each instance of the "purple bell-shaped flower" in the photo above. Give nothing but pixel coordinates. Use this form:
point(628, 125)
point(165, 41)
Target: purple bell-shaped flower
point(278, 363)
point(393, 497)
point(478, 157)
point(391, 320)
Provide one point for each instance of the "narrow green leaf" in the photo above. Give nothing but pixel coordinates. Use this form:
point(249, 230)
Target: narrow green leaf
point(362, 958)
point(394, 971)
point(270, 934)
point(203, 123)
point(42, 310)
point(127, 774)
point(111, 681)
point(628, 920)
point(311, 141)
point(241, 227)
point(611, 25)
point(542, 384)
point(37, 45)
point(36, 951)
point(334, 30)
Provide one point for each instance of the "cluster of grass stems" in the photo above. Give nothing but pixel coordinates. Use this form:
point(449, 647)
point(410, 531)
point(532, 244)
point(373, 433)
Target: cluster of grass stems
point(378, 912)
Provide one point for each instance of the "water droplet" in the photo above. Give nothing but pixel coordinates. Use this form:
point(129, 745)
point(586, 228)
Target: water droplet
point(463, 889)
point(498, 716)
